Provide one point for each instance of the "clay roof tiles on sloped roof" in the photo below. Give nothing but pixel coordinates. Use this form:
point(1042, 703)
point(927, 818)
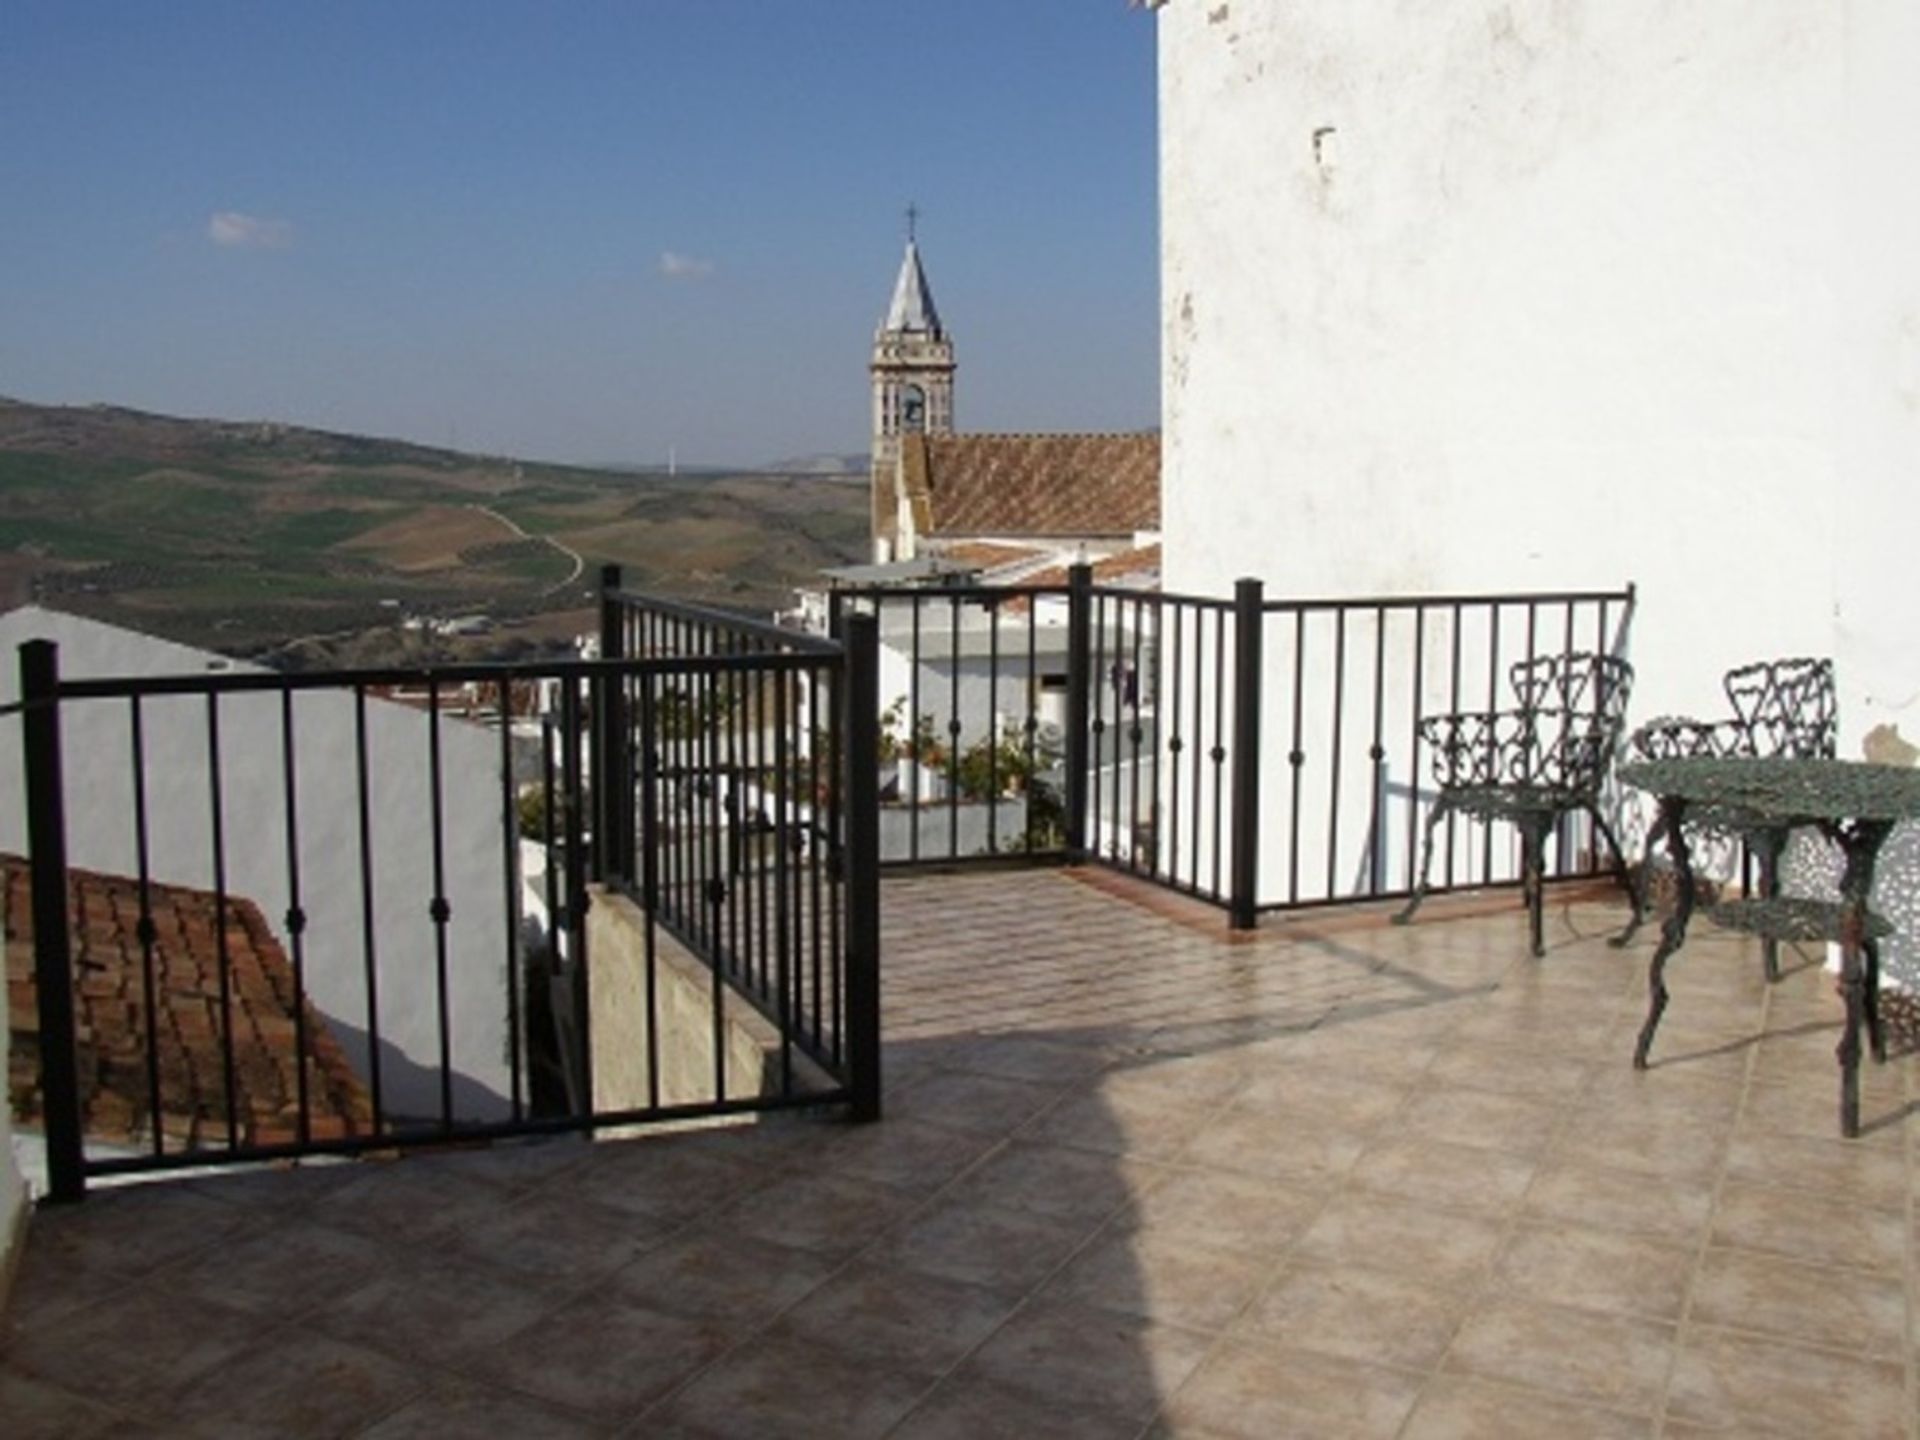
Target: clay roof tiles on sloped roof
point(1040, 485)
point(111, 1020)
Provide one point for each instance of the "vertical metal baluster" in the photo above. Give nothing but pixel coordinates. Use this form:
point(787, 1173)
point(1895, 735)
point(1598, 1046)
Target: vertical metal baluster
point(763, 976)
point(734, 811)
point(650, 872)
point(816, 841)
point(1173, 741)
point(223, 957)
point(1334, 754)
point(1033, 712)
point(1453, 708)
point(1296, 754)
point(438, 909)
point(1218, 751)
point(1115, 667)
point(835, 841)
point(913, 735)
point(1199, 742)
point(1097, 749)
point(782, 881)
point(992, 608)
point(145, 931)
point(296, 918)
point(510, 883)
point(1377, 753)
point(1493, 703)
point(1413, 740)
point(573, 807)
point(368, 948)
point(1133, 740)
point(953, 727)
point(1158, 654)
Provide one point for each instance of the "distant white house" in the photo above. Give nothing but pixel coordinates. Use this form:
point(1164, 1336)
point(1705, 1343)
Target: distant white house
point(96, 742)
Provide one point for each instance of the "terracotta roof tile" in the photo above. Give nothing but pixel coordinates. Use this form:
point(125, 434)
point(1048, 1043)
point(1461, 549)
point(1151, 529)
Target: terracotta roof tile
point(111, 1020)
point(1128, 564)
point(1040, 485)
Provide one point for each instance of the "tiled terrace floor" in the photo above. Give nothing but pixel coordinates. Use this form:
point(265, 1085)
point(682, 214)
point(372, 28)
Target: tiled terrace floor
point(1135, 1181)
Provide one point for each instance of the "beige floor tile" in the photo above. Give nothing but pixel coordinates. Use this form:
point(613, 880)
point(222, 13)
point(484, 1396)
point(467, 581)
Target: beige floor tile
point(556, 1234)
point(917, 1323)
point(1461, 1176)
point(600, 1355)
point(1579, 1192)
point(1217, 1207)
point(298, 1385)
point(1613, 1361)
point(1076, 1186)
point(909, 1153)
point(426, 1305)
point(1760, 1386)
point(131, 1230)
point(779, 1388)
point(1257, 1141)
point(1375, 1316)
point(1511, 1123)
point(282, 1271)
point(1433, 1246)
point(1025, 1057)
point(1452, 1408)
point(977, 1245)
point(830, 1215)
point(1264, 1392)
point(1080, 1357)
point(1815, 1304)
point(1805, 1226)
point(455, 1406)
point(1151, 1124)
point(725, 1279)
point(979, 1410)
point(1876, 1175)
point(136, 1350)
point(664, 1180)
point(1512, 1072)
point(1148, 1273)
point(1588, 1269)
point(1324, 1094)
point(37, 1407)
point(989, 1104)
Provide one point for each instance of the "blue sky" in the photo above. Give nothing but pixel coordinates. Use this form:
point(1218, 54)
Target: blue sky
point(582, 231)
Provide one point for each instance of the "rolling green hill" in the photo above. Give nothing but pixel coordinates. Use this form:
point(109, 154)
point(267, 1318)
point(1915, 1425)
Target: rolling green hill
point(253, 538)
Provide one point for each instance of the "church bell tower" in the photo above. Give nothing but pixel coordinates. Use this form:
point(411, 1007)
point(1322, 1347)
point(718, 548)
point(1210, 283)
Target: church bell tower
point(912, 371)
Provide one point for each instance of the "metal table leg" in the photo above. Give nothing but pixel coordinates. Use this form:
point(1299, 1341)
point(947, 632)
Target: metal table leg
point(1673, 933)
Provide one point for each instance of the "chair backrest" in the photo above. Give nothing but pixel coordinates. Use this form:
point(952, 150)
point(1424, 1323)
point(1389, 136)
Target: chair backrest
point(1579, 704)
point(1785, 707)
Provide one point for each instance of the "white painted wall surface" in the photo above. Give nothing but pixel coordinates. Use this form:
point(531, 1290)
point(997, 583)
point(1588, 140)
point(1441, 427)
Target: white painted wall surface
point(13, 1186)
point(100, 836)
point(1552, 294)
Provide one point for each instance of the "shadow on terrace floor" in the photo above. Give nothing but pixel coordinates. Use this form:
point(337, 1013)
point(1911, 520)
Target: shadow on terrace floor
point(1136, 1179)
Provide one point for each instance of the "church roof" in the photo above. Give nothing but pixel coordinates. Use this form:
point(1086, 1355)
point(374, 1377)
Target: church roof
point(1033, 485)
point(912, 307)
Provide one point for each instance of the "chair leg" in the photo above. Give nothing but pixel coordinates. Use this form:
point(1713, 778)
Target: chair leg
point(1533, 868)
point(1870, 999)
point(1402, 916)
point(1769, 844)
point(1638, 890)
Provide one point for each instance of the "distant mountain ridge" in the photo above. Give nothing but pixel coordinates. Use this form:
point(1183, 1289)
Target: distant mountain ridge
point(244, 536)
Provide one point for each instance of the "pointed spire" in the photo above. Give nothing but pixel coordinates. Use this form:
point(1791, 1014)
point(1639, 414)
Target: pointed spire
point(912, 307)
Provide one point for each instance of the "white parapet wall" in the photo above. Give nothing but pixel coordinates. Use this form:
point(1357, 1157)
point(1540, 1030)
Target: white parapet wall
point(1511, 295)
point(97, 749)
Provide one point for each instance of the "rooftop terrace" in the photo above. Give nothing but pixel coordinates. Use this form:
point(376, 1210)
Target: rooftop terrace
point(1138, 1179)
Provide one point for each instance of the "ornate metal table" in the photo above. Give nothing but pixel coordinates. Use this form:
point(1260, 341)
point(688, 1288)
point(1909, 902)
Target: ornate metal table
point(1853, 803)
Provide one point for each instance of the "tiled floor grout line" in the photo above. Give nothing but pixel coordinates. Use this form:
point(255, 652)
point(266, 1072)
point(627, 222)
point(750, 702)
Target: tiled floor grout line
point(1683, 1322)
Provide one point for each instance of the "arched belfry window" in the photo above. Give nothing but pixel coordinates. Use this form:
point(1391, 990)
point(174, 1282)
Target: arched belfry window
point(913, 408)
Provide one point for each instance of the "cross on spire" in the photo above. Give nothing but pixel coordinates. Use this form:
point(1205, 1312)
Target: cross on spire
point(913, 217)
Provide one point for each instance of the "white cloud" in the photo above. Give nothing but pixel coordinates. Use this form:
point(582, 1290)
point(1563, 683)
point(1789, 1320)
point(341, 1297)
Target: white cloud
point(676, 266)
point(231, 229)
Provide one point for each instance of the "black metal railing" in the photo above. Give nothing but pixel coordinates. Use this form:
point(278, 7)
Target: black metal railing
point(372, 888)
point(1256, 754)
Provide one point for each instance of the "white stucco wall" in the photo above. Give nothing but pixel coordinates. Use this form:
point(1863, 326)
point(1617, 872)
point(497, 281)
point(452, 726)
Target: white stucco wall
point(96, 751)
point(1552, 294)
point(1577, 291)
point(13, 1188)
